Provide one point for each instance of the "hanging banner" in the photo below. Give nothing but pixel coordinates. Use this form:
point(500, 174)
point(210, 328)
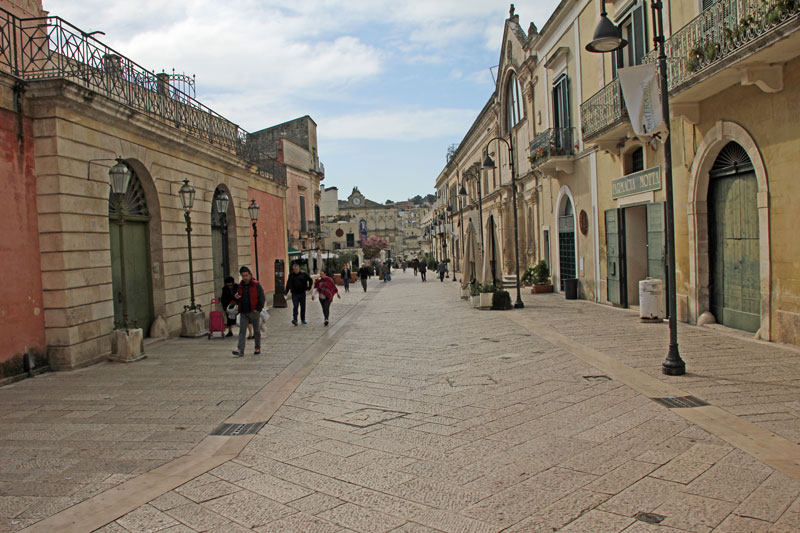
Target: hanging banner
point(641, 93)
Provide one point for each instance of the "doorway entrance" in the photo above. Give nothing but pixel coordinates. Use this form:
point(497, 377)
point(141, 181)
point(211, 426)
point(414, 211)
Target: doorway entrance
point(635, 250)
point(129, 222)
point(734, 281)
point(566, 243)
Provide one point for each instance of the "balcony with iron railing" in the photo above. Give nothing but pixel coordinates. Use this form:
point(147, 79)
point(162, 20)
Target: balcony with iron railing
point(603, 115)
point(730, 42)
point(50, 48)
point(553, 150)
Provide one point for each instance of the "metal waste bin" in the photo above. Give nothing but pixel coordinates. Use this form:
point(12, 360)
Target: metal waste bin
point(571, 289)
point(650, 300)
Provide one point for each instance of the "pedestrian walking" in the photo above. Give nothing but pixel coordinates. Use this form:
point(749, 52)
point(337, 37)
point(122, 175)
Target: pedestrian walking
point(251, 299)
point(298, 283)
point(326, 288)
point(363, 274)
point(227, 299)
point(415, 265)
point(423, 268)
point(346, 278)
point(442, 267)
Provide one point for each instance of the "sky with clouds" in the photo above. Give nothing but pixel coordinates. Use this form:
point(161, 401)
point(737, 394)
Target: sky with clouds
point(391, 84)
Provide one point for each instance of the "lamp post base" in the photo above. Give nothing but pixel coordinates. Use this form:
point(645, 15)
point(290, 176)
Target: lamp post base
point(673, 365)
point(193, 324)
point(127, 346)
point(519, 305)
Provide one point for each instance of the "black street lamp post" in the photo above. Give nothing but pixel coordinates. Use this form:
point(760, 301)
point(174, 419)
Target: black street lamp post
point(186, 193)
point(489, 163)
point(221, 199)
point(462, 193)
point(119, 178)
point(607, 38)
point(253, 209)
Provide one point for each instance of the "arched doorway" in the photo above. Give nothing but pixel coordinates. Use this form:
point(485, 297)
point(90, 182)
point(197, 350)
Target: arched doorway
point(130, 250)
point(220, 248)
point(733, 235)
point(566, 241)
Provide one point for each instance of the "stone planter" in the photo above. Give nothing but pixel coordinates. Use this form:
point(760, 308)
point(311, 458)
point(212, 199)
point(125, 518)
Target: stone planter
point(538, 289)
point(464, 294)
point(475, 301)
point(485, 300)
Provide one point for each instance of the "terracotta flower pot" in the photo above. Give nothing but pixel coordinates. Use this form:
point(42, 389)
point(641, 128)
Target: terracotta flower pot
point(537, 289)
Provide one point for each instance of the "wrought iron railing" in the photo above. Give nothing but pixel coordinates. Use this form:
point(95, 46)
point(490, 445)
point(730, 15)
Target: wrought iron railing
point(554, 142)
point(719, 31)
point(602, 110)
point(50, 48)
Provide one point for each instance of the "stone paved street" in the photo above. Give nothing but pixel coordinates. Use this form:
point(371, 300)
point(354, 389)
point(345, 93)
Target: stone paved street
point(414, 412)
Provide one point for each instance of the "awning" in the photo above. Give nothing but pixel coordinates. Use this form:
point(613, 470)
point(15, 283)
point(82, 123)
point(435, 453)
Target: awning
point(294, 252)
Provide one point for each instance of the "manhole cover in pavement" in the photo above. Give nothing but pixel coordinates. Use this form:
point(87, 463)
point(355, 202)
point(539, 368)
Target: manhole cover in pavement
point(367, 417)
point(471, 381)
point(232, 430)
point(650, 518)
point(680, 402)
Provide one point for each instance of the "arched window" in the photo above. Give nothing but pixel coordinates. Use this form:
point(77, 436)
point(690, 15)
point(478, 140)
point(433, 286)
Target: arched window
point(513, 110)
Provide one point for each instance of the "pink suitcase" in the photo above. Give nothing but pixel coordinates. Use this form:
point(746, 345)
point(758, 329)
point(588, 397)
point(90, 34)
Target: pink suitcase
point(216, 319)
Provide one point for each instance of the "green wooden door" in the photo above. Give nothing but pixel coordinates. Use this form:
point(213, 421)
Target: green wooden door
point(138, 287)
point(734, 251)
point(615, 257)
point(656, 247)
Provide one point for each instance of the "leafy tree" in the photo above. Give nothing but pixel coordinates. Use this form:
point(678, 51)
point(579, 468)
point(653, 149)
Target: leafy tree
point(372, 247)
point(389, 202)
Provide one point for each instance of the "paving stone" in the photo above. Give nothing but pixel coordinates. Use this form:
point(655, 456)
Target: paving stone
point(197, 517)
point(598, 522)
point(694, 513)
point(361, 518)
point(248, 509)
point(273, 488)
point(146, 519)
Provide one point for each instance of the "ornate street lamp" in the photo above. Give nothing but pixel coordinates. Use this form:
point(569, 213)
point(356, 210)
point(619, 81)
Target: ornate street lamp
point(607, 37)
point(489, 163)
point(462, 193)
point(186, 192)
point(119, 177)
point(253, 209)
point(605, 41)
point(452, 240)
point(221, 202)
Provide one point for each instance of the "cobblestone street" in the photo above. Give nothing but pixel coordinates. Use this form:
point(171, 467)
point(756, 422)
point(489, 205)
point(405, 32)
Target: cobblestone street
point(414, 412)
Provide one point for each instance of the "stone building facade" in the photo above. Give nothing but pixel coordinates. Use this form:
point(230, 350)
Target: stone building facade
point(294, 143)
point(591, 196)
point(72, 116)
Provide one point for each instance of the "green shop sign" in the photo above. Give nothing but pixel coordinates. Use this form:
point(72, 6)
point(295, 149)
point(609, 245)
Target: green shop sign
point(642, 181)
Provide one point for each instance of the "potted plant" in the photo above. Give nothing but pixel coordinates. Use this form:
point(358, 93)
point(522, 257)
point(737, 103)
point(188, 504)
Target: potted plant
point(540, 277)
point(485, 295)
point(501, 300)
point(474, 293)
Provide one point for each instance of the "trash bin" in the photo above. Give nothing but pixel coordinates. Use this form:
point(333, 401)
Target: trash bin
point(571, 289)
point(650, 300)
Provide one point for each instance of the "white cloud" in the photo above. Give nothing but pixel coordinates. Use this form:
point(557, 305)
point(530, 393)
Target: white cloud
point(400, 125)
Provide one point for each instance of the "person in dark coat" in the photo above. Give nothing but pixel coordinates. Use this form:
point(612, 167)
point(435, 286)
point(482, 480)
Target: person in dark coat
point(251, 298)
point(363, 273)
point(298, 283)
point(346, 277)
point(423, 268)
point(228, 297)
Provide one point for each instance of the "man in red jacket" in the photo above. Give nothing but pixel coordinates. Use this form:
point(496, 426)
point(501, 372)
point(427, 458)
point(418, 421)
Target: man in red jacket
point(251, 300)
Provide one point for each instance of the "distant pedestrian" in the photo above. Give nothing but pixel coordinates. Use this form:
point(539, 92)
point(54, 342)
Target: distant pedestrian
point(415, 265)
point(442, 267)
point(298, 283)
point(423, 268)
point(346, 278)
point(363, 274)
point(403, 264)
point(326, 288)
point(251, 298)
point(227, 299)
